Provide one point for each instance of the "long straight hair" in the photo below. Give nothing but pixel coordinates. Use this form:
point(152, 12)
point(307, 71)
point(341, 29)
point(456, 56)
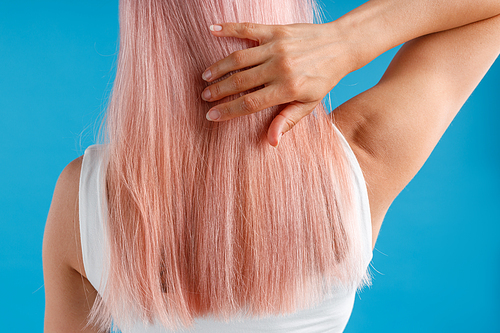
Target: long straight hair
point(207, 218)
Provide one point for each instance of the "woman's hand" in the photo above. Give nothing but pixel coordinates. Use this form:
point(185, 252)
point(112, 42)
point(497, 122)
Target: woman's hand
point(297, 64)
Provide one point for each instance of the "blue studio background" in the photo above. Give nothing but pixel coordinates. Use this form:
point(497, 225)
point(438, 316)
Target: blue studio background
point(437, 260)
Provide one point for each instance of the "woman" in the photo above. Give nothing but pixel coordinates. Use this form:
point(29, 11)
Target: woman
point(392, 128)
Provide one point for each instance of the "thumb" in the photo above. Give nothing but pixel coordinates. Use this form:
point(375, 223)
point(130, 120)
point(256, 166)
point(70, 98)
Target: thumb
point(287, 118)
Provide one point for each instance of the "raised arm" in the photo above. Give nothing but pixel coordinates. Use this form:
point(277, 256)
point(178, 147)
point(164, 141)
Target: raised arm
point(300, 63)
point(394, 126)
point(379, 25)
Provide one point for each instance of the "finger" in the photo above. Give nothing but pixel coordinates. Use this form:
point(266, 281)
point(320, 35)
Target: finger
point(236, 83)
point(248, 30)
point(287, 118)
point(247, 104)
point(236, 60)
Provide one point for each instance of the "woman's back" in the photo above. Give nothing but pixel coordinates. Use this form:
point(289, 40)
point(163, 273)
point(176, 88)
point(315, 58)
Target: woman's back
point(216, 221)
point(331, 315)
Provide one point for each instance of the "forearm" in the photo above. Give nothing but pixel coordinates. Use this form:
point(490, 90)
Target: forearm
point(379, 25)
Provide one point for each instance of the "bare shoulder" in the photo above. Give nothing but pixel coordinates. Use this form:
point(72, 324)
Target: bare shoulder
point(68, 294)
point(62, 228)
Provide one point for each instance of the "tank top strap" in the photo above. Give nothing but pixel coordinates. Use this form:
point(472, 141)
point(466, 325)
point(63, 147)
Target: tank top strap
point(361, 200)
point(92, 208)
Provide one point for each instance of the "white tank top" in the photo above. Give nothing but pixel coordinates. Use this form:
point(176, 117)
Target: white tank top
point(331, 315)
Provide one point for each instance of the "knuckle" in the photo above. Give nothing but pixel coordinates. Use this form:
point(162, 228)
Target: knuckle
point(238, 58)
point(290, 122)
point(249, 104)
point(247, 28)
point(225, 111)
point(237, 82)
point(215, 90)
point(293, 88)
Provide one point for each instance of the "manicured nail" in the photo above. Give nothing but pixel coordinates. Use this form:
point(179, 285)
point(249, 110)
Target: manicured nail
point(206, 95)
point(207, 75)
point(216, 27)
point(213, 114)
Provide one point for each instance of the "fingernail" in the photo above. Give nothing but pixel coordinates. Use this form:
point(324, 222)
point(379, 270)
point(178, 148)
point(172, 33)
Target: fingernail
point(213, 115)
point(279, 139)
point(207, 75)
point(206, 95)
point(216, 27)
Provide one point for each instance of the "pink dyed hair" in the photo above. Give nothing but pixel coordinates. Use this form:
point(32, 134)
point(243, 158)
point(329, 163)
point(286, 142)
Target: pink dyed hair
point(208, 218)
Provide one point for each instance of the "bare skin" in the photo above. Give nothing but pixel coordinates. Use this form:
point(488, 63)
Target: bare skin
point(68, 294)
point(392, 128)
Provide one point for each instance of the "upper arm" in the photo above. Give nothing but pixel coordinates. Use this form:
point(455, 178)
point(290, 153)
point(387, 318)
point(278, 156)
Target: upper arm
point(68, 295)
point(394, 126)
